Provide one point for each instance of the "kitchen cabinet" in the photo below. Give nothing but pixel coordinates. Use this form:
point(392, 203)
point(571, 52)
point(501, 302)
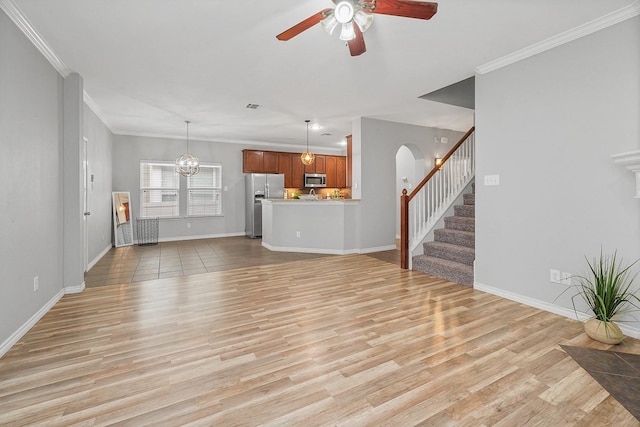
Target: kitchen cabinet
point(349, 159)
point(341, 172)
point(285, 161)
point(256, 161)
point(290, 165)
point(297, 172)
point(331, 171)
point(318, 165)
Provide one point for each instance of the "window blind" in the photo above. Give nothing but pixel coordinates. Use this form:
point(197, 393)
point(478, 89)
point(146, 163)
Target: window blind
point(204, 195)
point(159, 190)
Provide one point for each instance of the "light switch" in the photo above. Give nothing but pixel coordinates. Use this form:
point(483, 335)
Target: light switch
point(492, 180)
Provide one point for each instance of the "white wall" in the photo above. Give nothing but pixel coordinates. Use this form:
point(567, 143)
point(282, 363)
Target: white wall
point(100, 165)
point(375, 144)
point(548, 126)
point(30, 172)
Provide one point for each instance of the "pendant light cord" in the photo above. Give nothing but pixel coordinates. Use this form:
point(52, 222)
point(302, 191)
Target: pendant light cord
point(187, 122)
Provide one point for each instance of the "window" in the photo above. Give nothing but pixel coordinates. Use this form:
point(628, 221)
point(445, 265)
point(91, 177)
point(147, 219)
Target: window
point(204, 192)
point(159, 189)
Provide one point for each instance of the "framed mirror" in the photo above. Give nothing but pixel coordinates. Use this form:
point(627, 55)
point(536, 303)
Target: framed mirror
point(122, 225)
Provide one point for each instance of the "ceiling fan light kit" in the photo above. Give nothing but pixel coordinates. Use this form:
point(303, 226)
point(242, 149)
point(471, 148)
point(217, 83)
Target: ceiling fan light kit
point(347, 32)
point(346, 12)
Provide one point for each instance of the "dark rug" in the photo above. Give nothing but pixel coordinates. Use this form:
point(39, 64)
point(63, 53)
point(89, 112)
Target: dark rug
point(618, 373)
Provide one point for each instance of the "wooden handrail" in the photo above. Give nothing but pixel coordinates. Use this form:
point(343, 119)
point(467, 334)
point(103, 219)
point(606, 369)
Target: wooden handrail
point(405, 199)
point(444, 159)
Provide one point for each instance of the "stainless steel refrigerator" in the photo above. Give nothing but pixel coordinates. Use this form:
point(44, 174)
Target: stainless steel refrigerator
point(259, 186)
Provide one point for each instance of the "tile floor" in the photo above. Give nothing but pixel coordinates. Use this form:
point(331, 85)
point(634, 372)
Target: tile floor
point(617, 372)
point(130, 264)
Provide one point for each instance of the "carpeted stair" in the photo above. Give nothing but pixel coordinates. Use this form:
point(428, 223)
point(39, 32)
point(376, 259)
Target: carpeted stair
point(450, 256)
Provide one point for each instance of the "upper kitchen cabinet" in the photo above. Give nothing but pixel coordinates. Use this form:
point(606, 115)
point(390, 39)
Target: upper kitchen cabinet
point(331, 171)
point(318, 165)
point(256, 161)
point(297, 172)
point(285, 166)
point(341, 172)
point(349, 162)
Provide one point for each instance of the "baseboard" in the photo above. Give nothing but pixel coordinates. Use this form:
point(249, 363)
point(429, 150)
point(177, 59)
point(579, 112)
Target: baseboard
point(551, 308)
point(15, 337)
point(99, 257)
point(310, 250)
point(377, 249)
point(74, 289)
point(197, 237)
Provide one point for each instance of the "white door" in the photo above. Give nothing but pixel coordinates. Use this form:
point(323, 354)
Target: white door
point(85, 205)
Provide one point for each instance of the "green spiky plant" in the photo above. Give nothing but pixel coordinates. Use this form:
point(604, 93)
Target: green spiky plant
point(607, 289)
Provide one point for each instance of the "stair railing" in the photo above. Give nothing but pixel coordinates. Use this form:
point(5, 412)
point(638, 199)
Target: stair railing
point(421, 210)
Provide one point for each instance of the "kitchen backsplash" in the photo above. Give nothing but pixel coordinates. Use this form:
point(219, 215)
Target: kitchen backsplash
point(345, 193)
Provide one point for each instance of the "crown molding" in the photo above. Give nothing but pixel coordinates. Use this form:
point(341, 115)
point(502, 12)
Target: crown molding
point(583, 30)
point(25, 26)
point(18, 18)
point(631, 161)
point(96, 110)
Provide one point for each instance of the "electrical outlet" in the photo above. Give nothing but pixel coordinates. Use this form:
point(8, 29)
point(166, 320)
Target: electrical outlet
point(297, 234)
point(36, 283)
point(566, 278)
point(188, 225)
point(554, 276)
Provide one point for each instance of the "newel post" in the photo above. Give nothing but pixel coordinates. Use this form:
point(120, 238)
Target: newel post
point(404, 230)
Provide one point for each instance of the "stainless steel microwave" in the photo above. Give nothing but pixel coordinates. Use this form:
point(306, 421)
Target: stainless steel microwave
point(315, 180)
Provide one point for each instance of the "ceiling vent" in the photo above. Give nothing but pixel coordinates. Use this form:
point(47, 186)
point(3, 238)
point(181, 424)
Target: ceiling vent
point(252, 106)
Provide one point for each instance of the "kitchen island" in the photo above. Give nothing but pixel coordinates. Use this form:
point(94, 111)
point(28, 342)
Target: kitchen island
point(327, 226)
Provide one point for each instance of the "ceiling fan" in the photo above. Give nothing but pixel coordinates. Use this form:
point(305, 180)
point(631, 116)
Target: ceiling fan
point(360, 12)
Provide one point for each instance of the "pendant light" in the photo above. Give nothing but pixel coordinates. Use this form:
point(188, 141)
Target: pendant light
point(307, 157)
point(187, 164)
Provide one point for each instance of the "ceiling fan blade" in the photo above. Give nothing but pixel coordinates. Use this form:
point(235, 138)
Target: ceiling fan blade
point(303, 25)
point(356, 45)
point(406, 8)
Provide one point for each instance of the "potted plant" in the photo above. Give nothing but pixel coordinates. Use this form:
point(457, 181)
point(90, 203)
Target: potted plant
point(606, 289)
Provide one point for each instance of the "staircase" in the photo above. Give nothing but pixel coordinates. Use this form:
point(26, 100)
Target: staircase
point(450, 256)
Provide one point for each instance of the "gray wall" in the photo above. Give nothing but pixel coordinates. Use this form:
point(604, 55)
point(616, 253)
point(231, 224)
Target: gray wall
point(99, 164)
point(30, 172)
point(130, 150)
point(375, 144)
point(548, 126)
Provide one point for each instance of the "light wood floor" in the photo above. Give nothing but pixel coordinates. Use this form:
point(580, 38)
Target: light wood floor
point(334, 341)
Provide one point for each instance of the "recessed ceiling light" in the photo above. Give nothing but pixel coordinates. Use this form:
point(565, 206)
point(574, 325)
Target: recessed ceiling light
point(314, 126)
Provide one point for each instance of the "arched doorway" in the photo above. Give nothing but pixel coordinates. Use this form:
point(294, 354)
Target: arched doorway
point(410, 169)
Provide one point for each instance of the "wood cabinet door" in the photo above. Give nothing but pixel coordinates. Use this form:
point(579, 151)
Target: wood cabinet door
point(284, 167)
point(320, 163)
point(349, 160)
point(270, 162)
point(331, 170)
point(297, 171)
point(310, 168)
point(252, 161)
point(341, 173)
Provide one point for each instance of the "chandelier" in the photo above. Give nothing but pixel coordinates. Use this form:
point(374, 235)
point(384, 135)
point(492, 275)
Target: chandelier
point(307, 157)
point(187, 164)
